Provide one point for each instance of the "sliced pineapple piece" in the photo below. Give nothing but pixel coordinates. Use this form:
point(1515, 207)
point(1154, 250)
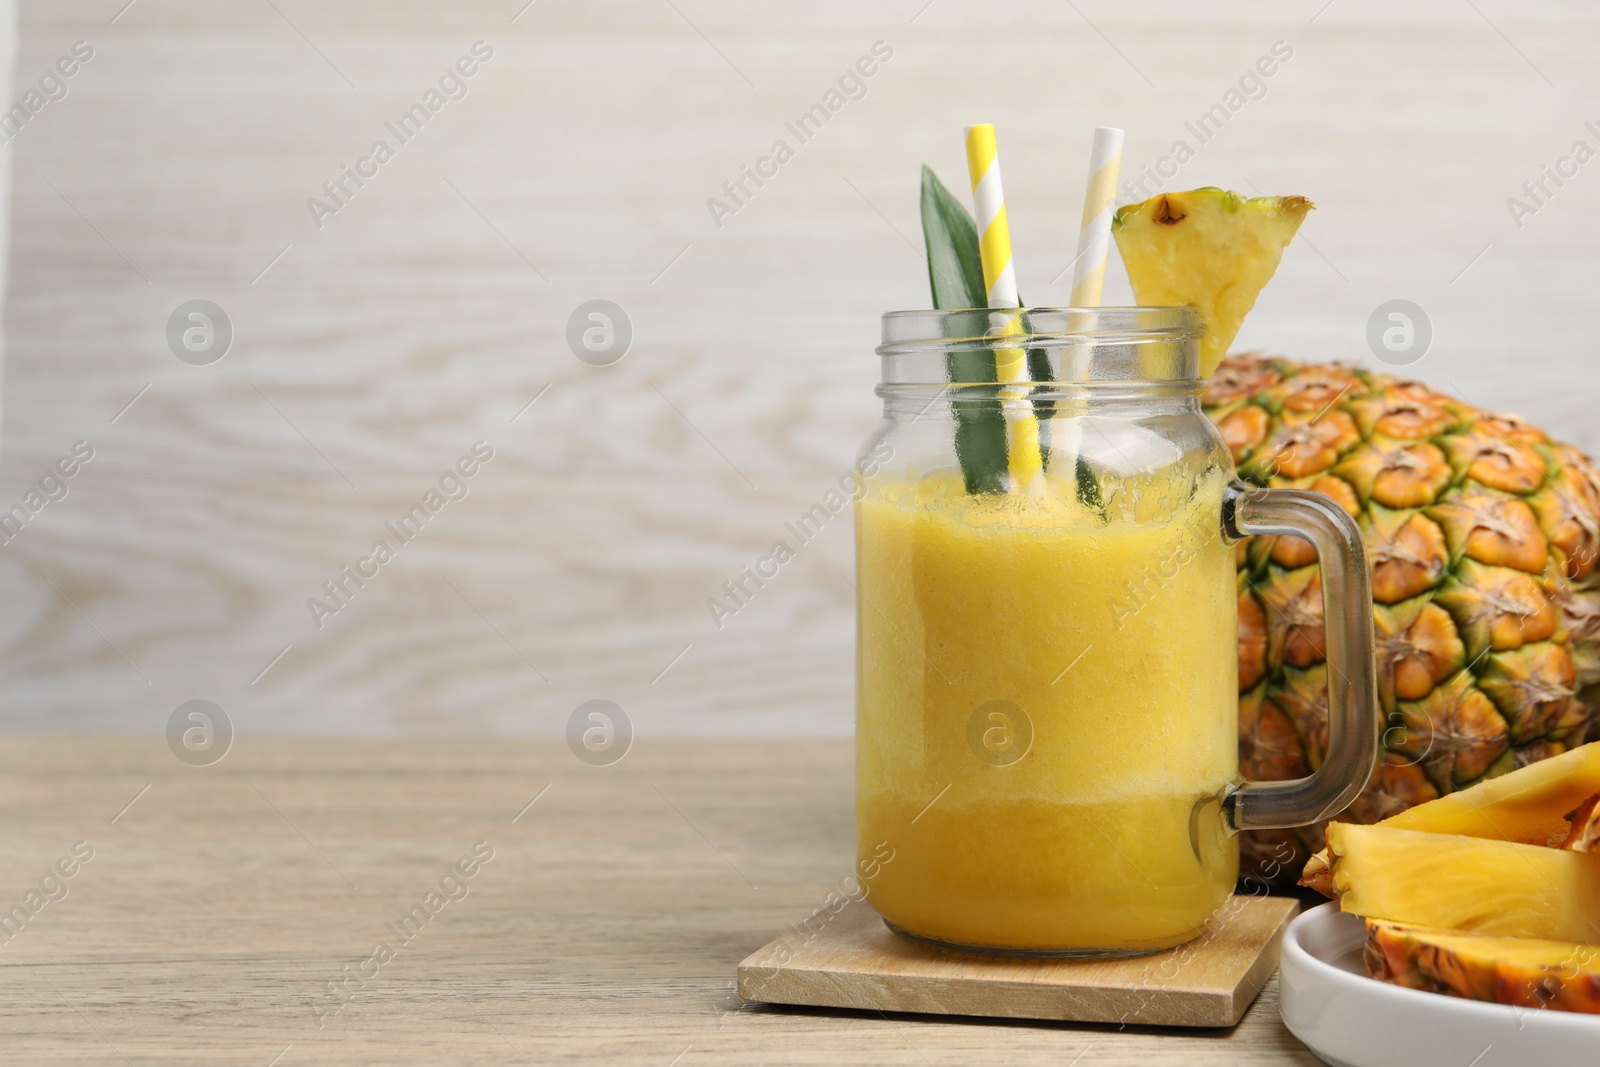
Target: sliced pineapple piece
point(1468, 884)
point(1564, 976)
point(1208, 248)
point(1528, 805)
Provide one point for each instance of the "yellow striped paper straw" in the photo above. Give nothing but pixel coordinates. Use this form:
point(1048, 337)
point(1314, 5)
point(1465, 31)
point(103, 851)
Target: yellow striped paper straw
point(1094, 239)
point(1000, 281)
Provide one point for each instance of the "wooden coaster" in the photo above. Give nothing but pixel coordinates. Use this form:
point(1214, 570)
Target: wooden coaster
point(855, 961)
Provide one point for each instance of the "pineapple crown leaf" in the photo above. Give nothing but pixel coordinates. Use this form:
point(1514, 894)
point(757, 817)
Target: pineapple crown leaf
point(955, 267)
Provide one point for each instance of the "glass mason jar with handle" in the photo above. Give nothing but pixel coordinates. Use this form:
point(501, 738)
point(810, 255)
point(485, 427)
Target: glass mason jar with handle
point(1047, 705)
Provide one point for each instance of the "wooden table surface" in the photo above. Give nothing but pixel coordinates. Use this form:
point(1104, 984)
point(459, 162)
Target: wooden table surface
point(220, 902)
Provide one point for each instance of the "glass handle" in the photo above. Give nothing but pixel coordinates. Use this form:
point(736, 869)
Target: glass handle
point(1355, 722)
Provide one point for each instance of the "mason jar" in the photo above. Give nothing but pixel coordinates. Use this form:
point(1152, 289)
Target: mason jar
point(1046, 730)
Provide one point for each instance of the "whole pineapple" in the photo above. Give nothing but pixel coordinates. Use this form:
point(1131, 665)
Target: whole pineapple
point(1482, 535)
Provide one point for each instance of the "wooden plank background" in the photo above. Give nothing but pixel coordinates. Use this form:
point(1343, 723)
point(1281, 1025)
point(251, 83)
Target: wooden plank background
point(372, 352)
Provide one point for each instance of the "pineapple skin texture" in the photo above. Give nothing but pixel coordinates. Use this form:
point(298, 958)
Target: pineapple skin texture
point(1482, 536)
point(1584, 836)
point(1209, 248)
point(1562, 976)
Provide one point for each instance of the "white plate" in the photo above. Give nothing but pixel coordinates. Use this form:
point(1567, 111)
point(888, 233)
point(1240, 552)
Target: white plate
point(1350, 1020)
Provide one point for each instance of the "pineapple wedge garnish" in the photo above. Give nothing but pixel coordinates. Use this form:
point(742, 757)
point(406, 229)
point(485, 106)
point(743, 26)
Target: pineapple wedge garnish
point(1207, 248)
point(1564, 976)
point(1529, 805)
point(1466, 884)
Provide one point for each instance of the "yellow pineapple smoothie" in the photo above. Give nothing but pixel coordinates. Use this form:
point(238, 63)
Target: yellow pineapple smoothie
point(1047, 711)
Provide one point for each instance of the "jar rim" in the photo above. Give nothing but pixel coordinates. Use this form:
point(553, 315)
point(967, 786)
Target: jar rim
point(1096, 343)
point(1150, 322)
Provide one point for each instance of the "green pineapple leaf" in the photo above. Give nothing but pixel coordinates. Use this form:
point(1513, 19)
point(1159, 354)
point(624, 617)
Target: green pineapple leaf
point(1089, 488)
point(955, 269)
point(955, 273)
